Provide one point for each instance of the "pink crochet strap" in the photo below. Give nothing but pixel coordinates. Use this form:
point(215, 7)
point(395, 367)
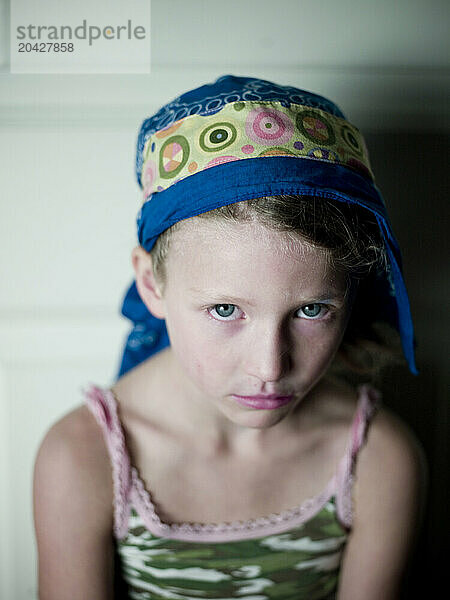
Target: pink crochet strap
point(103, 406)
point(368, 404)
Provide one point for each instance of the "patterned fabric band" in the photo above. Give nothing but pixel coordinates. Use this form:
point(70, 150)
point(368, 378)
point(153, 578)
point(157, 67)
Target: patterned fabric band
point(243, 130)
point(250, 138)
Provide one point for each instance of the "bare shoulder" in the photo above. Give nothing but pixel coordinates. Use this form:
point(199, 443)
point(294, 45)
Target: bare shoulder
point(73, 510)
point(392, 462)
point(74, 450)
point(388, 501)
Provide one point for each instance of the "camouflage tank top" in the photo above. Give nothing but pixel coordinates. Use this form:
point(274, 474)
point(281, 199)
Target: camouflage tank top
point(293, 555)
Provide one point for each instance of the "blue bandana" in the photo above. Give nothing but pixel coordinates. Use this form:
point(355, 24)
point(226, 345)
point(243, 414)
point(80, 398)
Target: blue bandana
point(250, 138)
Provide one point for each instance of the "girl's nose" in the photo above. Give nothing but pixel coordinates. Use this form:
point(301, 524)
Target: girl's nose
point(268, 356)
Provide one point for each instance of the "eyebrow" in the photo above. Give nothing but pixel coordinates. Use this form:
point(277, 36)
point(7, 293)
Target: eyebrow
point(328, 295)
point(218, 294)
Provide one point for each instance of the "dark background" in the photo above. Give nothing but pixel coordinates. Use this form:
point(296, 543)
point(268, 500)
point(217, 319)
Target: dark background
point(412, 171)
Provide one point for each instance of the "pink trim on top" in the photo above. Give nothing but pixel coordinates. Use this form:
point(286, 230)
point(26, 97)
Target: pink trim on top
point(368, 404)
point(104, 408)
point(129, 489)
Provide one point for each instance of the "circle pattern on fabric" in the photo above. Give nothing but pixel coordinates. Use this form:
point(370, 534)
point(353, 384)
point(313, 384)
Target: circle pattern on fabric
point(173, 156)
point(168, 131)
point(315, 127)
point(268, 126)
point(350, 139)
point(217, 136)
point(220, 160)
point(148, 176)
point(193, 110)
point(226, 90)
point(324, 154)
point(247, 149)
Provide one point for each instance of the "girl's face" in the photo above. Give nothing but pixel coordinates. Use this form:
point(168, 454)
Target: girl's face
point(251, 312)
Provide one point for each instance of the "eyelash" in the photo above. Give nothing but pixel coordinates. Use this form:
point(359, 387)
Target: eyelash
point(322, 314)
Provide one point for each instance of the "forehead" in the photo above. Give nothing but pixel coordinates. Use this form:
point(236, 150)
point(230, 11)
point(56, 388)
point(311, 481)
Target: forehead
point(198, 234)
point(204, 250)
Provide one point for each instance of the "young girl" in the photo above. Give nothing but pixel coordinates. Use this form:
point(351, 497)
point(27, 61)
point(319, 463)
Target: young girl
point(244, 463)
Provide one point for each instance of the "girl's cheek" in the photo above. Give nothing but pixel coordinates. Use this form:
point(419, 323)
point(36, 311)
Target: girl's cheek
point(222, 328)
point(326, 328)
point(317, 340)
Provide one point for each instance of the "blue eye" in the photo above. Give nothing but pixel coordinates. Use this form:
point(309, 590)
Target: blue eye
point(313, 311)
point(224, 312)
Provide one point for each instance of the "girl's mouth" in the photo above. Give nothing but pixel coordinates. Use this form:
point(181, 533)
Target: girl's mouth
point(263, 402)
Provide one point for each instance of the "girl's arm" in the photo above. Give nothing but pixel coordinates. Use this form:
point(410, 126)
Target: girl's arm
point(389, 498)
point(73, 511)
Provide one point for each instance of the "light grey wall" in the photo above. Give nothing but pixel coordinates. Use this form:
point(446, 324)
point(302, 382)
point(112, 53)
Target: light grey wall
point(69, 200)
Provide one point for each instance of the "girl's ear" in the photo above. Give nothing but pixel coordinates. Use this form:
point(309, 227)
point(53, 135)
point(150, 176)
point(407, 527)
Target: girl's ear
point(149, 289)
